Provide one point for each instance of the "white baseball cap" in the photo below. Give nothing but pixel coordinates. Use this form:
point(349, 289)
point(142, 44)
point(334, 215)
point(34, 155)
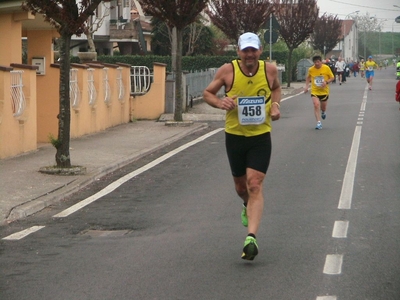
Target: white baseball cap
point(249, 39)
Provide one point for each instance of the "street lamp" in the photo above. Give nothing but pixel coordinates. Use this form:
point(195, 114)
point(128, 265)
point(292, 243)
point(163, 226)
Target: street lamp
point(380, 30)
point(392, 39)
point(344, 32)
point(365, 34)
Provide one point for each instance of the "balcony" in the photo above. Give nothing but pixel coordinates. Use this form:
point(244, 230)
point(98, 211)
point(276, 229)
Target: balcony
point(123, 30)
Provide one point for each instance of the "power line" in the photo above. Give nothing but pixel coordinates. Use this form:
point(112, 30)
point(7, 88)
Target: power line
point(364, 6)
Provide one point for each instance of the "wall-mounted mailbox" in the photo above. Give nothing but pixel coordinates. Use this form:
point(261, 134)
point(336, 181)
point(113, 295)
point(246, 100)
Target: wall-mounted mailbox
point(39, 62)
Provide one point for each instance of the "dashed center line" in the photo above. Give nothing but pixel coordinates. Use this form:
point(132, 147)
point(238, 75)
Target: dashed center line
point(326, 298)
point(348, 181)
point(340, 229)
point(333, 264)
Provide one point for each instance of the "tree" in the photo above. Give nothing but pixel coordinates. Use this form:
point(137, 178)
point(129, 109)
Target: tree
point(197, 39)
point(297, 21)
point(177, 14)
point(326, 33)
point(68, 17)
point(92, 24)
point(366, 24)
point(234, 17)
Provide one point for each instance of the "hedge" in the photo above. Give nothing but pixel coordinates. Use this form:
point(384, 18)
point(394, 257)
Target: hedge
point(192, 63)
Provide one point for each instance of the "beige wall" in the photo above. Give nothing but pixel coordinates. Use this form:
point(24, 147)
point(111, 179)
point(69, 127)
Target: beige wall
point(39, 120)
point(17, 134)
point(10, 35)
point(40, 45)
point(151, 105)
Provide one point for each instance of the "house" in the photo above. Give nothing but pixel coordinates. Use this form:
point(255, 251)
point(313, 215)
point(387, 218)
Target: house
point(119, 24)
point(347, 48)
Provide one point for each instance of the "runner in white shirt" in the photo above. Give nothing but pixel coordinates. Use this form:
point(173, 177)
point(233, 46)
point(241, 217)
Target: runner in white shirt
point(340, 66)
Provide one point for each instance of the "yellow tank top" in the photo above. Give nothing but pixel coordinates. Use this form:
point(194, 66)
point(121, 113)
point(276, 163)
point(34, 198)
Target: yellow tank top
point(243, 85)
point(317, 76)
point(369, 65)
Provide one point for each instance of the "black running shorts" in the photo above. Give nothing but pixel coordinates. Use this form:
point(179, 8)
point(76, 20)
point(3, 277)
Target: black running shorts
point(320, 97)
point(248, 152)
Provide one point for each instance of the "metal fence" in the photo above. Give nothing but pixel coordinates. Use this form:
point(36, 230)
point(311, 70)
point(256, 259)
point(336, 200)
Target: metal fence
point(198, 81)
point(106, 87)
point(17, 94)
point(91, 87)
point(74, 92)
point(141, 79)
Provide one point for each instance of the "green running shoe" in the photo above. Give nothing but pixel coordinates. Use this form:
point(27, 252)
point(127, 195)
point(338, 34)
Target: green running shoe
point(250, 249)
point(245, 221)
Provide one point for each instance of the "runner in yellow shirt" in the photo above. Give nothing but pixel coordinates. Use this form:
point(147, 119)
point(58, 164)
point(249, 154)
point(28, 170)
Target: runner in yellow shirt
point(320, 75)
point(362, 68)
point(253, 93)
point(370, 65)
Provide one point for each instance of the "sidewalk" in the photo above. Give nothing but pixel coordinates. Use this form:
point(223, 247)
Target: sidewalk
point(24, 190)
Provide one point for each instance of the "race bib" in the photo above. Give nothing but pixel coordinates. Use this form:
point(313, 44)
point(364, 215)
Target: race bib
point(251, 110)
point(318, 80)
point(370, 68)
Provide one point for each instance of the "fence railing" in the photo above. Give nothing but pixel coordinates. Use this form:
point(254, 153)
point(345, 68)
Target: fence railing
point(141, 79)
point(17, 93)
point(91, 87)
point(75, 94)
point(120, 85)
point(196, 82)
point(106, 87)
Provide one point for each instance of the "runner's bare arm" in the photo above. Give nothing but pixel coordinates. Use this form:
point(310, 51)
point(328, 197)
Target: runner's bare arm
point(272, 73)
point(223, 78)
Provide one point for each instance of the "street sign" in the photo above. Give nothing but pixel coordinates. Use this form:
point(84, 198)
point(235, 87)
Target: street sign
point(275, 36)
point(274, 27)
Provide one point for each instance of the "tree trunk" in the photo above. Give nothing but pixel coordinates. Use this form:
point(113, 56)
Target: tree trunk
point(174, 50)
point(289, 72)
point(178, 78)
point(92, 47)
point(64, 117)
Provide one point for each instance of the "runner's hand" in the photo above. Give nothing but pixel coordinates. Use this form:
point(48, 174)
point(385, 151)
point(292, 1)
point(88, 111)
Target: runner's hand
point(228, 103)
point(275, 113)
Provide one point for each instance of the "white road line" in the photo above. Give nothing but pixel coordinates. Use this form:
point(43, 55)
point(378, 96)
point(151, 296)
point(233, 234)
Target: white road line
point(364, 102)
point(287, 98)
point(21, 234)
point(326, 298)
point(348, 181)
point(333, 264)
point(111, 187)
point(340, 229)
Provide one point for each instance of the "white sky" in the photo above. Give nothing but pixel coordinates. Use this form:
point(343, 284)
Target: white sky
point(381, 9)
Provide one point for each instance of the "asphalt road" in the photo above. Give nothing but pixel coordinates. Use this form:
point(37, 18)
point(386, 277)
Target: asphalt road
point(173, 230)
